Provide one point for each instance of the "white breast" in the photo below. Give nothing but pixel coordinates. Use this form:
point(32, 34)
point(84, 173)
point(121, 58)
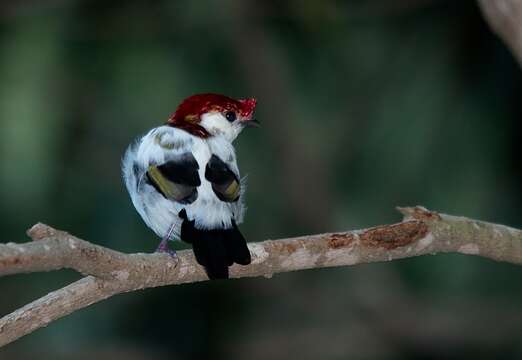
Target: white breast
point(208, 211)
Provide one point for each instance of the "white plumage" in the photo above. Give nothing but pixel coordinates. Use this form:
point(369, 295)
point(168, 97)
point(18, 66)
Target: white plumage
point(166, 143)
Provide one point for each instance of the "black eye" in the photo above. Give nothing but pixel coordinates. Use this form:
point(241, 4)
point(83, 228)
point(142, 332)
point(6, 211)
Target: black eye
point(231, 116)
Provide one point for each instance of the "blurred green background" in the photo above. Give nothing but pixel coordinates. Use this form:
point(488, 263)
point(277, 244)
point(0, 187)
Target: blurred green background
point(365, 105)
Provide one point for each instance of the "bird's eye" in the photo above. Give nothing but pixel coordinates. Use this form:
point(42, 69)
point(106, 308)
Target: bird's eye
point(231, 116)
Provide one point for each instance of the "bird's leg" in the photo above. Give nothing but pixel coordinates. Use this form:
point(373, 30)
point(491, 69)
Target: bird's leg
point(163, 246)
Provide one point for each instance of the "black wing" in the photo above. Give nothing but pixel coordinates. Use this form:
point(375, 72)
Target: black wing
point(225, 183)
point(176, 179)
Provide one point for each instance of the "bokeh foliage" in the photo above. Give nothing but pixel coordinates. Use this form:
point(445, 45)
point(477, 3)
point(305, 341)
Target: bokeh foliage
point(364, 106)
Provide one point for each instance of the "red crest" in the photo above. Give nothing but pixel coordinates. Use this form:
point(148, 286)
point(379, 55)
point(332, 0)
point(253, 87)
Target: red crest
point(188, 114)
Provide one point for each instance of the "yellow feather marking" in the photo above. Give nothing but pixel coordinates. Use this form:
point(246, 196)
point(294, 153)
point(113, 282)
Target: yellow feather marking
point(232, 191)
point(158, 139)
point(191, 118)
point(168, 188)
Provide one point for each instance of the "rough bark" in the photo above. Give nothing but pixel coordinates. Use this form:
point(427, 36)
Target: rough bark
point(109, 272)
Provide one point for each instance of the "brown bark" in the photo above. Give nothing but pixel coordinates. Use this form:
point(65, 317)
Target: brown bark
point(110, 272)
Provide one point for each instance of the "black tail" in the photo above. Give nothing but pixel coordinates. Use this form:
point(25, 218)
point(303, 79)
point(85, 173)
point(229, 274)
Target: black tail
point(216, 249)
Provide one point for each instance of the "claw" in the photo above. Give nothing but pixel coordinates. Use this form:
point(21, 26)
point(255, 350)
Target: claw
point(163, 247)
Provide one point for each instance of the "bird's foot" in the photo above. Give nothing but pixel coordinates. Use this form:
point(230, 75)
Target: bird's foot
point(163, 247)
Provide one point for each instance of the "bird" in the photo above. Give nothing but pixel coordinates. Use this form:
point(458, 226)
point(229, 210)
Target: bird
point(184, 181)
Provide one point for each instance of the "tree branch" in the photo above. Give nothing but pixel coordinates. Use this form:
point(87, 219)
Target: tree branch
point(111, 272)
point(505, 18)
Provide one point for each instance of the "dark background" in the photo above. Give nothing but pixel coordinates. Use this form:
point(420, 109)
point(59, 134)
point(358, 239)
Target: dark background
point(365, 105)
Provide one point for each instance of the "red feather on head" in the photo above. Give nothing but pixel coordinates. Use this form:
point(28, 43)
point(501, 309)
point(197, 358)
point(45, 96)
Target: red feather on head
point(188, 114)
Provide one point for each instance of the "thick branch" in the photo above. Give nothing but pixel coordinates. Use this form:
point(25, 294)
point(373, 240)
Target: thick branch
point(505, 18)
point(110, 272)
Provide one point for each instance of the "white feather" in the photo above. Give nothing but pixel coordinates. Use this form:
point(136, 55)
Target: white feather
point(163, 144)
point(217, 125)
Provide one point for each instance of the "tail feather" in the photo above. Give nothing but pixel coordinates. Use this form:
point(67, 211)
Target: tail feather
point(236, 245)
point(216, 249)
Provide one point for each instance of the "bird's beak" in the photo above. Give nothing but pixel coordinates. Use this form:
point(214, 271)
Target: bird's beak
point(251, 123)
